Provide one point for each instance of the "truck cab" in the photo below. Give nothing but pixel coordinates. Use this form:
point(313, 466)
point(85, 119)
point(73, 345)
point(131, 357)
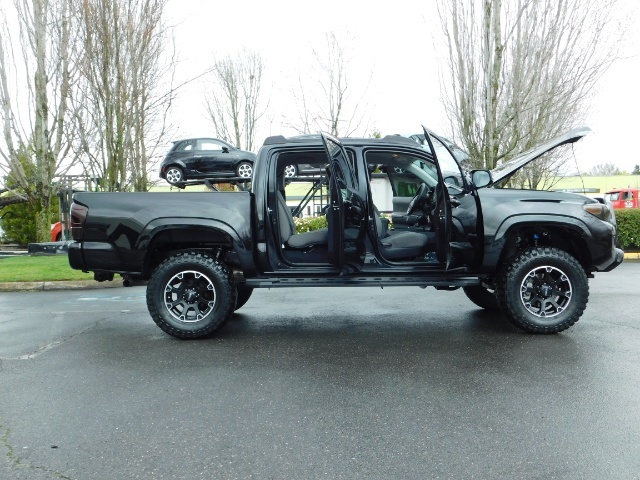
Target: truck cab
point(622, 198)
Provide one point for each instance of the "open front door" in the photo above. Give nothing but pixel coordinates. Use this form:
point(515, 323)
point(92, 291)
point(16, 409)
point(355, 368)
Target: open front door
point(442, 211)
point(342, 183)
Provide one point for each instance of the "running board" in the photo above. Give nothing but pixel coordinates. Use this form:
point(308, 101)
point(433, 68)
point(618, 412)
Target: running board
point(359, 281)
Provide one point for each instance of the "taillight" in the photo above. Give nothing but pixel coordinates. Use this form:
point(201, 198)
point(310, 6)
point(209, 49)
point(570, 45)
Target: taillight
point(78, 215)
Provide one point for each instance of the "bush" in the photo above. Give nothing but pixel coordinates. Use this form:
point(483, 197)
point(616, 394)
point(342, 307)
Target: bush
point(308, 224)
point(19, 221)
point(629, 228)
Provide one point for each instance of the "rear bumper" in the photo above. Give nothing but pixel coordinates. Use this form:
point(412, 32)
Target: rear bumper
point(75, 256)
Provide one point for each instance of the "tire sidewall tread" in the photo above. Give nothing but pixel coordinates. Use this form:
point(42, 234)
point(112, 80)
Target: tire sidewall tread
point(219, 275)
point(509, 281)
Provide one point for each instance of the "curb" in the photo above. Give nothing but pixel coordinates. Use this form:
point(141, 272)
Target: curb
point(50, 286)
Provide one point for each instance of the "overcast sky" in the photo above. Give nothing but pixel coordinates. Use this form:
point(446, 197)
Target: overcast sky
point(393, 42)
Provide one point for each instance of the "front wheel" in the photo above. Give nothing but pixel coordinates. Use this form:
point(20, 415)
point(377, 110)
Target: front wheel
point(543, 290)
point(190, 295)
point(290, 171)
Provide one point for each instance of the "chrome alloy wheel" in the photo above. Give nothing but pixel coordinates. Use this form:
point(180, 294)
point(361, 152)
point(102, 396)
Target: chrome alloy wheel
point(189, 296)
point(546, 291)
point(290, 171)
point(174, 175)
point(245, 170)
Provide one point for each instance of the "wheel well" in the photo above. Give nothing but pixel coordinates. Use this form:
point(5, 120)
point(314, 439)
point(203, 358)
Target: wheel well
point(566, 239)
point(169, 242)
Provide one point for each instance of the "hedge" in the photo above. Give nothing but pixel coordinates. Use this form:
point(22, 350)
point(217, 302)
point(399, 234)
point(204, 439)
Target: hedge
point(629, 228)
point(308, 224)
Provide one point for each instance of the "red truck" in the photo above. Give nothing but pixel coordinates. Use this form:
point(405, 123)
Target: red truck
point(623, 197)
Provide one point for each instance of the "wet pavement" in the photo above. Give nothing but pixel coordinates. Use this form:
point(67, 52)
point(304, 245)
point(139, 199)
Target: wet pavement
point(319, 383)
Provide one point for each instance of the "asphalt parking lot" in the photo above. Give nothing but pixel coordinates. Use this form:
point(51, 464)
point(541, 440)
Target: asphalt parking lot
point(319, 383)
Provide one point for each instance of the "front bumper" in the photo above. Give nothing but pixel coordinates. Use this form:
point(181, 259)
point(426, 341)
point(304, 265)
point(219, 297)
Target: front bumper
point(612, 262)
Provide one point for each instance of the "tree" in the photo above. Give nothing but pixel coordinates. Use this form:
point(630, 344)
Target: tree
point(607, 169)
point(38, 127)
point(636, 170)
point(326, 101)
point(519, 72)
point(126, 103)
point(233, 103)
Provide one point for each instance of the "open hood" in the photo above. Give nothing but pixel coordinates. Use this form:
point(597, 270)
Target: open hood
point(507, 169)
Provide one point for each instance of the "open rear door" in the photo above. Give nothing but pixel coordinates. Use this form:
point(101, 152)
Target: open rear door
point(341, 182)
point(443, 211)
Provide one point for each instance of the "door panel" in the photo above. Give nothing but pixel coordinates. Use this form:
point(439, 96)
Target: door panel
point(346, 209)
point(442, 213)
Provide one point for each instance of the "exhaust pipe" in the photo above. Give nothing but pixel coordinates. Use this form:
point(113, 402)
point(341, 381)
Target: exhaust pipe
point(128, 281)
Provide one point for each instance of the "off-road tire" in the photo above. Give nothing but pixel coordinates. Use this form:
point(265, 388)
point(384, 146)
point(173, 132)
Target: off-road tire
point(482, 297)
point(543, 290)
point(244, 293)
point(190, 295)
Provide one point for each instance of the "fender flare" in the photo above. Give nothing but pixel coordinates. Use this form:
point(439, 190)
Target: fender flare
point(241, 244)
point(494, 244)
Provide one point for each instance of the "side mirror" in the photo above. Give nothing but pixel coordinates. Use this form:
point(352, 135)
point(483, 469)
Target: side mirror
point(225, 150)
point(451, 180)
point(481, 178)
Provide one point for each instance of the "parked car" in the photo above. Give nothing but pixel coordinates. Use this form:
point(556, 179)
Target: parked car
point(303, 169)
point(205, 157)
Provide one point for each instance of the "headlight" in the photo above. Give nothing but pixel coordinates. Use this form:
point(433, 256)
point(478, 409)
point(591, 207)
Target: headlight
point(599, 210)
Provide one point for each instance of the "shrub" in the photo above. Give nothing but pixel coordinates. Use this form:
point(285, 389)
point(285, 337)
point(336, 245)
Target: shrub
point(19, 221)
point(308, 224)
point(629, 228)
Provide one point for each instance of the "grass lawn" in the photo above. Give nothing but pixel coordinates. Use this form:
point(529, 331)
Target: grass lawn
point(39, 268)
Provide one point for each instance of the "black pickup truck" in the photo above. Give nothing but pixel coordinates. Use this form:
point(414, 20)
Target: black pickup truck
point(527, 253)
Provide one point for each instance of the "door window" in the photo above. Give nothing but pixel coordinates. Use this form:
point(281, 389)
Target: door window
point(208, 144)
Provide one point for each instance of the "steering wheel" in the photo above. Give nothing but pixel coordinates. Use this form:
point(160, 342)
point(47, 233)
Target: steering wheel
point(419, 198)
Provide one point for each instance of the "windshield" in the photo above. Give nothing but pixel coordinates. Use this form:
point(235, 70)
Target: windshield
point(447, 162)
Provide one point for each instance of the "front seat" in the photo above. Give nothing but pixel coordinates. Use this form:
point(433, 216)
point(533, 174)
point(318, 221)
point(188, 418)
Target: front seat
point(288, 233)
point(397, 245)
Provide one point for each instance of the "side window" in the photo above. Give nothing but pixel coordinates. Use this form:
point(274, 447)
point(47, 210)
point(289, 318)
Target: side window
point(185, 146)
point(209, 145)
point(615, 196)
point(627, 196)
point(394, 178)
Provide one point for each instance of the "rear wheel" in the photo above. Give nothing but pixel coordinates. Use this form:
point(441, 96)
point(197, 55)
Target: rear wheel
point(174, 175)
point(482, 297)
point(244, 170)
point(190, 295)
point(543, 290)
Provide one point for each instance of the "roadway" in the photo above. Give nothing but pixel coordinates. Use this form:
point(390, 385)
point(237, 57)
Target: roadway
point(319, 383)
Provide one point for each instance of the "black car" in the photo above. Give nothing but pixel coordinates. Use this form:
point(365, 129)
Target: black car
point(205, 157)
